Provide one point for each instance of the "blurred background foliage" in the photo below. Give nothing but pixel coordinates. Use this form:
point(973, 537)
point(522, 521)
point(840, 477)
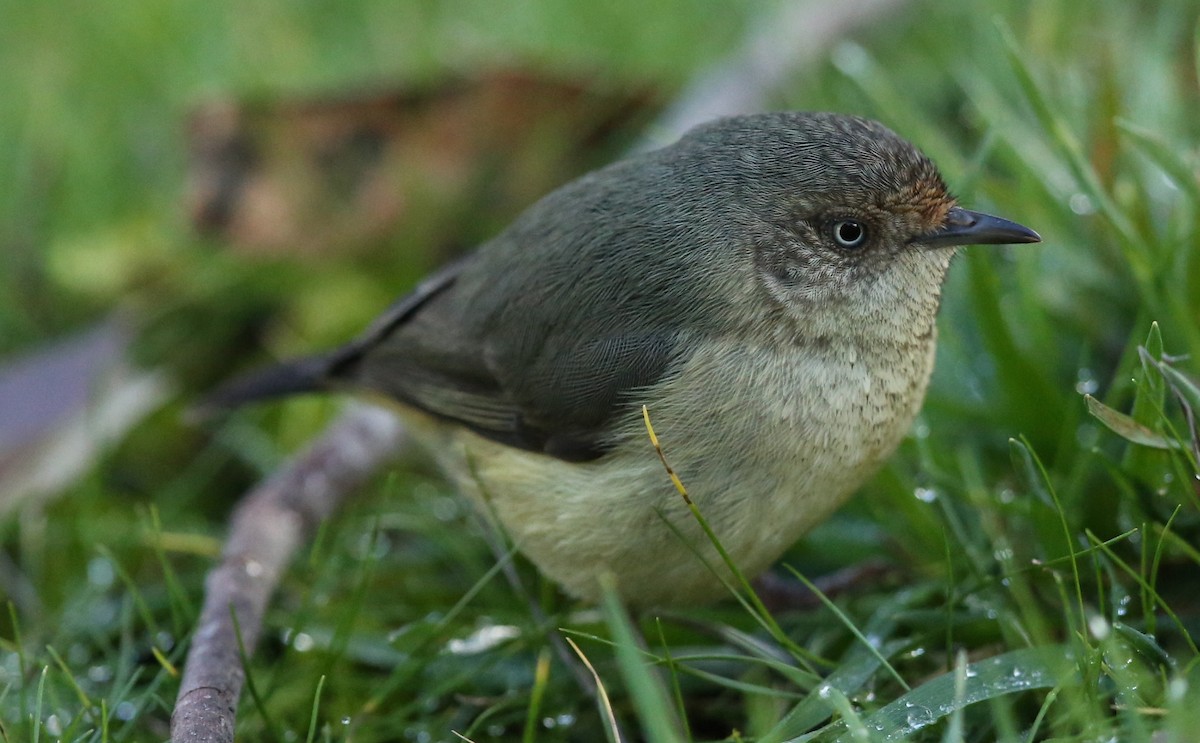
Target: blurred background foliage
point(1077, 118)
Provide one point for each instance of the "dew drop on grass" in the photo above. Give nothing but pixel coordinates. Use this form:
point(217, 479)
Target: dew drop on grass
point(99, 674)
point(446, 508)
point(926, 495)
point(125, 711)
point(303, 642)
point(100, 572)
point(1123, 605)
point(1177, 689)
point(566, 719)
point(1098, 626)
point(1081, 204)
point(495, 730)
point(919, 718)
point(1086, 382)
point(347, 720)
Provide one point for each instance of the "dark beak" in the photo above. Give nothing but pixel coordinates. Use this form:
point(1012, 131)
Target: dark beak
point(965, 227)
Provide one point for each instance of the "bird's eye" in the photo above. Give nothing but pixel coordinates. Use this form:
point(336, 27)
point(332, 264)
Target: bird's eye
point(849, 233)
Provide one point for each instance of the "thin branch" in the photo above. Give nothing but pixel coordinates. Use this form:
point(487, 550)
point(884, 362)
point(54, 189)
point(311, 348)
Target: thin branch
point(271, 523)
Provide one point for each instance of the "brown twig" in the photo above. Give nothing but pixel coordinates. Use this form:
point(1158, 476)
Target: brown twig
point(272, 521)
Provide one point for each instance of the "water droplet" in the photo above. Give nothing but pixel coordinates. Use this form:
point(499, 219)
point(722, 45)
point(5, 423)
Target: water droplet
point(916, 652)
point(1177, 689)
point(1098, 626)
point(303, 642)
point(254, 568)
point(919, 718)
point(1086, 382)
point(926, 495)
point(825, 691)
point(100, 572)
point(54, 725)
point(566, 719)
point(921, 430)
point(164, 640)
point(495, 730)
point(446, 508)
point(1123, 605)
point(99, 674)
point(125, 711)
point(1081, 204)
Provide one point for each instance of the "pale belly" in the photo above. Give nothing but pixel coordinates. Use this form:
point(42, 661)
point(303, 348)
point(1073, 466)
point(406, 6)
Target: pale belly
point(766, 453)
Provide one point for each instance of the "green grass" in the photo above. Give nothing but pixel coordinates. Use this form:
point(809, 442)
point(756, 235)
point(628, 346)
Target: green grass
point(1043, 564)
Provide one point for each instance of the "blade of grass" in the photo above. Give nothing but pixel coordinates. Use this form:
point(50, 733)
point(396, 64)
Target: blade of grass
point(676, 687)
point(1179, 624)
point(849, 625)
point(655, 711)
point(1127, 427)
point(1016, 671)
point(746, 592)
point(316, 708)
point(541, 675)
point(611, 730)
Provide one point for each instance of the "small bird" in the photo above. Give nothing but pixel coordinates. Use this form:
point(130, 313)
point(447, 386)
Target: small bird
point(767, 287)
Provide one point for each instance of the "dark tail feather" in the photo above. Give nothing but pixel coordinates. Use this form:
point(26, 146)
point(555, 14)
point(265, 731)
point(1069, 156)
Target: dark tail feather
point(308, 374)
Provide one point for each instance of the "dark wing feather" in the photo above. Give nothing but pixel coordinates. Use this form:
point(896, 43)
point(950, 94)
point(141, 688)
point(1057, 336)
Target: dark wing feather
point(560, 407)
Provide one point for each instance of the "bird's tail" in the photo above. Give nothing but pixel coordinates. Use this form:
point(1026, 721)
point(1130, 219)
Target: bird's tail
point(309, 374)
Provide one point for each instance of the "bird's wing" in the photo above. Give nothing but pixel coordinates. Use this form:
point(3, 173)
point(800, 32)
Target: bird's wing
point(557, 401)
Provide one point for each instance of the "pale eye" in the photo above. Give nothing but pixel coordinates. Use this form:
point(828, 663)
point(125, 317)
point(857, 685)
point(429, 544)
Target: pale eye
point(849, 233)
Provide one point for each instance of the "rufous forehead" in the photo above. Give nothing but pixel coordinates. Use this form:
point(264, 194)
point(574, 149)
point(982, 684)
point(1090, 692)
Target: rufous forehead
point(924, 200)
